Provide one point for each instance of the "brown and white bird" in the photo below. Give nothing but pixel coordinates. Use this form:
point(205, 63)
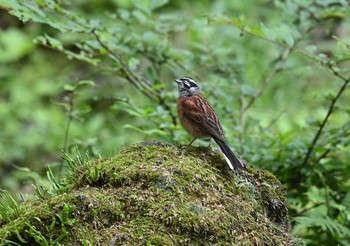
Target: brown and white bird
point(199, 119)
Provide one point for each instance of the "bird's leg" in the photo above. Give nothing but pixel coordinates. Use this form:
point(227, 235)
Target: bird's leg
point(192, 141)
point(210, 143)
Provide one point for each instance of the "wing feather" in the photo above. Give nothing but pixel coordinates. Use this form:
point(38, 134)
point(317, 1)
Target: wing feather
point(203, 116)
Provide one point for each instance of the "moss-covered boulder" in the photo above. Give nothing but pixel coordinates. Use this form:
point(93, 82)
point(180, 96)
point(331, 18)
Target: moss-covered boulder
point(156, 194)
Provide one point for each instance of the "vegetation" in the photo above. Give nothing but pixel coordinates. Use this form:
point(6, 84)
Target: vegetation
point(99, 75)
point(154, 194)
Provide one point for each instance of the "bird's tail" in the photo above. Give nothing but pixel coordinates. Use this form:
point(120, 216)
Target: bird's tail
point(230, 157)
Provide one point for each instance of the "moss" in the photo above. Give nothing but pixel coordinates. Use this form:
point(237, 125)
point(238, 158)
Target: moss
point(156, 194)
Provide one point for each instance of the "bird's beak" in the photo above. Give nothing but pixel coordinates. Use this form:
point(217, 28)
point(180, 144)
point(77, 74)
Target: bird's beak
point(178, 81)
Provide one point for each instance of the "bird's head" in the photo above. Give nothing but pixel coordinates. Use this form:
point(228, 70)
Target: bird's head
point(187, 87)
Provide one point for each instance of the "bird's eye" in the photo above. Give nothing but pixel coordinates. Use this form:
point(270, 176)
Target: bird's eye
point(192, 84)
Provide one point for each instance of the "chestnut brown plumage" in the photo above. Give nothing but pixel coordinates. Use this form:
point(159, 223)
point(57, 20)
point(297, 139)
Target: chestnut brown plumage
point(199, 119)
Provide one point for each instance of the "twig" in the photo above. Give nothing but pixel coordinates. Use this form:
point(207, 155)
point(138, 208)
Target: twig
point(129, 75)
point(266, 82)
point(330, 111)
point(274, 120)
point(70, 118)
point(269, 78)
point(244, 30)
point(190, 71)
point(140, 85)
point(304, 210)
point(241, 123)
point(333, 101)
point(328, 150)
point(66, 133)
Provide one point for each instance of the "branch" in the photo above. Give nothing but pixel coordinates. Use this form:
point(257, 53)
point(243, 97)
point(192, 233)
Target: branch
point(251, 33)
point(328, 150)
point(189, 70)
point(70, 118)
point(139, 84)
point(333, 101)
point(266, 82)
point(304, 210)
point(69, 121)
point(129, 75)
point(241, 123)
point(330, 111)
point(274, 120)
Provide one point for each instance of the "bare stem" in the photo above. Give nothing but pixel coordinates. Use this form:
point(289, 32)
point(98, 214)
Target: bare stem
point(241, 123)
point(66, 133)
point(274, 120)
point(269, 78)
point(303, 211)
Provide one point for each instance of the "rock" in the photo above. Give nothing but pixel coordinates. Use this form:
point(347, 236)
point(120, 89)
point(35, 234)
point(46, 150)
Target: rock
point(157, 194)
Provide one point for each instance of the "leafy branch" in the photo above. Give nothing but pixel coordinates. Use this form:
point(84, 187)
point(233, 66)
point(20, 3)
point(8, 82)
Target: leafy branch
point(329, 112)
point(307, 209)
point(70, 22)
point(137, 83)
point(141, 84)
point(332, 145)
point(324, 62)
point(291, 47)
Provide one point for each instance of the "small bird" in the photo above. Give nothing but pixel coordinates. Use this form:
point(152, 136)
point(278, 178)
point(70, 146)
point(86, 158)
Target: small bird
point(199, 119)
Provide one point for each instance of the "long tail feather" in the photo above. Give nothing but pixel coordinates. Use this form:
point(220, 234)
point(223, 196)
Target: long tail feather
point(230, 157)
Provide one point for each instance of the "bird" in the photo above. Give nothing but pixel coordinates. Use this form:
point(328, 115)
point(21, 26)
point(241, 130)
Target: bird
point(199, 119)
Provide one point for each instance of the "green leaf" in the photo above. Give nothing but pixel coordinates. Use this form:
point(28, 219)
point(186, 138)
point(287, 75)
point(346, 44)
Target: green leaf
point(158, 87)
point(30, 10)
point(132, 64)
point(123, 14)
point(140, 16)
point(133, 112)
point(155, 4)
point(86, 82)
point(255, 30)
point(311, 49)
point(53, 42)
point(144, 131)
point(69, 87)
point(248, 90)
point(329, 96)
point(14, 45)
point(316, 220)
point(286, 34)
point(269, 33)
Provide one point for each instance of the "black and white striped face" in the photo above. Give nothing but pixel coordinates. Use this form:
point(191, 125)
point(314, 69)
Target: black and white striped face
point(187, 87)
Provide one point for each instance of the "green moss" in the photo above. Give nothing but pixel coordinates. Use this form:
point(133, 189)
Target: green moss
point(158, 195)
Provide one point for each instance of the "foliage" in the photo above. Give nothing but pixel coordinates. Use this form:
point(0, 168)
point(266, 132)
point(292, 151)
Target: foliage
point(9, 206)
point(277, 74)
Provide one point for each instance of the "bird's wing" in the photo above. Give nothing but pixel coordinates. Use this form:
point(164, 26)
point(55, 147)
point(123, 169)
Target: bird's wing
point(199, 110)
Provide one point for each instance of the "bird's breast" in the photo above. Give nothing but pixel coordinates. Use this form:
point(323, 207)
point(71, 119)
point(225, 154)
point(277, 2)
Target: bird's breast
point(186, 105)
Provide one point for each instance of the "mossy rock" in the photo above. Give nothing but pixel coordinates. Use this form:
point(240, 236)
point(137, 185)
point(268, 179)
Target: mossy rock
point(157, 194)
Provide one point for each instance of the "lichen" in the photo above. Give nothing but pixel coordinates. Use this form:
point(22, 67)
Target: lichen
point(158, 194)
